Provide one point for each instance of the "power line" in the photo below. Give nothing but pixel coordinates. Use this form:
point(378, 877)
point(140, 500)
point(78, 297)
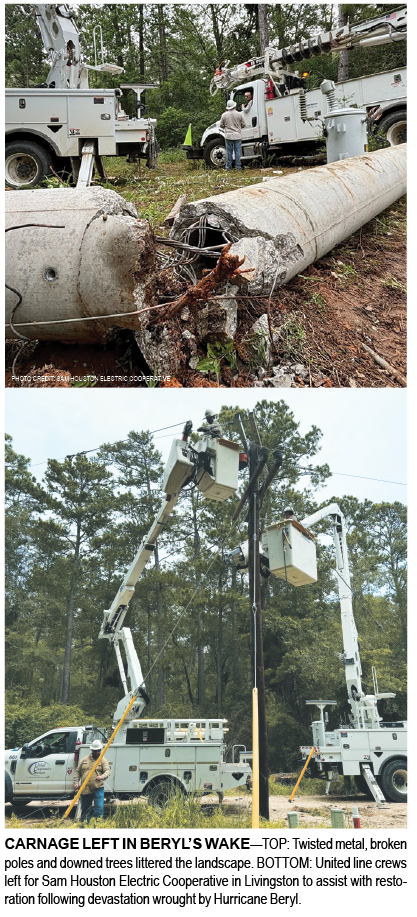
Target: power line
point(307, 471)
point(87, 451)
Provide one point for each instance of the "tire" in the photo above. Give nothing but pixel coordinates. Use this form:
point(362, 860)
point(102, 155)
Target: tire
point(362, 786)
point(27, 164)
point(161, 794)
point(20, 808)
point(394, 780)
point(394, 126)
point(215, 154)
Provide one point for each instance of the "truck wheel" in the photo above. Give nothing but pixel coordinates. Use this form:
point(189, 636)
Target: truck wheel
point(161, 794)
point(394, 126)
point(26, 165)
point(20, 808)
point(215, 154)
point(394, 780)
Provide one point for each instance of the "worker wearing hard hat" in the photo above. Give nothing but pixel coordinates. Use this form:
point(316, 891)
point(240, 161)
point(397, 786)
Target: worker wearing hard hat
point(232, 122)
point(92, 796)
point(211, 426)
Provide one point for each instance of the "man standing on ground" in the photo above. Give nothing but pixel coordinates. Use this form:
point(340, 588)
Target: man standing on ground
point(232, 122)
point(92, 796)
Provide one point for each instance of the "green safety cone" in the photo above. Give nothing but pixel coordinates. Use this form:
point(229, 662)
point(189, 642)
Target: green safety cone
point(188, 141)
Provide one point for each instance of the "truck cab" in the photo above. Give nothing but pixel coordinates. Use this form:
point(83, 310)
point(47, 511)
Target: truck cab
point(44, 767)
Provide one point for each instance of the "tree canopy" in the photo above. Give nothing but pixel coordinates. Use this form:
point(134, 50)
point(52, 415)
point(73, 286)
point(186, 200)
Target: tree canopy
point(179, 46)
point(70, 539)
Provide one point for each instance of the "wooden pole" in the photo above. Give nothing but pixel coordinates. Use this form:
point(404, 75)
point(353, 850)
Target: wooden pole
point(255, 760)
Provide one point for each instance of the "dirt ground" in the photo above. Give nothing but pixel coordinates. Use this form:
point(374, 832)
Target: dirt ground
point(313, 811)
point(321, 320)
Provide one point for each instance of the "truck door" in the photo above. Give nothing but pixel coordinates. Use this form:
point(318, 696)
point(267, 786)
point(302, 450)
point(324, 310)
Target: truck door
point(252, 130)
point(47, 763)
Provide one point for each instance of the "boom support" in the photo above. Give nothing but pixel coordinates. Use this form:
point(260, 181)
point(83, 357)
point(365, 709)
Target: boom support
point(60, 38)
point(390, 27)
point(364, 706)
point(212, 465)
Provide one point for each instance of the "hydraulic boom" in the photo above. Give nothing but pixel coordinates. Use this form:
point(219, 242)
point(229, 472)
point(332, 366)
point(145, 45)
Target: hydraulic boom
point(390, 27)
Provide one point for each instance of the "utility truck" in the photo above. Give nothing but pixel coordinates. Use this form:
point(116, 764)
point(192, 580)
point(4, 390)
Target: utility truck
point(368, 749)
point(283, 118)
point(152, 757)
point(64, 124)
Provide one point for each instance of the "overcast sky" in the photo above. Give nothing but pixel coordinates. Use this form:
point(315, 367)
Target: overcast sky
point(364, 432)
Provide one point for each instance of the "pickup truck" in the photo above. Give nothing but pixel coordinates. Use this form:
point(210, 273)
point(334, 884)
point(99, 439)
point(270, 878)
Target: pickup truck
point(150, 758)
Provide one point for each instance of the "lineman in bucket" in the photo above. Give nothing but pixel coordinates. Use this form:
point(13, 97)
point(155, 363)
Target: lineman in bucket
point(211, 425)
point(92, 797)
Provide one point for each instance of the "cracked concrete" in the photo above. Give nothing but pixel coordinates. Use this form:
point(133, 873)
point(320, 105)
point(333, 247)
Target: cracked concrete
point(284, 224)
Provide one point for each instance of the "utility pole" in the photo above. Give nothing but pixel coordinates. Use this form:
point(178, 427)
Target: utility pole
point(254, 494)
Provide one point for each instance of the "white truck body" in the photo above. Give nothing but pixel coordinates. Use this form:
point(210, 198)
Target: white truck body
point(65, 118)
point(275, 125)
point(63, 124)
point(186, 753)
point(146, 753)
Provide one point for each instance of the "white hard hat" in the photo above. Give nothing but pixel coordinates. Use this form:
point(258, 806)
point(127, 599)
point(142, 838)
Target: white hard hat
point(230, 104)
point(96, 745)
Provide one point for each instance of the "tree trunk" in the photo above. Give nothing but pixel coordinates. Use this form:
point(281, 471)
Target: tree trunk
point(70, 619)
point(343, 66)
point(141, 42)
point(235, 636)
point(219, 670)
point(149, 678)
point(187, 677)
point(117, 32)
point(263, 26)
point(216, 32)
point(200, 643)
point(159, 634)
point(160, 637)
point(162, 44)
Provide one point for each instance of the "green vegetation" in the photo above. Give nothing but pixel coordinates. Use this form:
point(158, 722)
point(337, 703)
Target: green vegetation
point(215, 354)
point(178, 47)
point(393, 284)
point(317, 300)
point(70, 538)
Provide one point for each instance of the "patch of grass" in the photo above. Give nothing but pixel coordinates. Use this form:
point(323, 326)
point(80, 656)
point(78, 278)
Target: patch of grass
point(318, 301)
point(307, 787)
point(393, 284)
point(294, 334)
point(344, 272)
point(154, 192)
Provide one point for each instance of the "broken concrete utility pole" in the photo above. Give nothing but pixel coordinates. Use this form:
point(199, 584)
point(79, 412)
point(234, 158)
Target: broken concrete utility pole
point(87, 256)
point(283, 225)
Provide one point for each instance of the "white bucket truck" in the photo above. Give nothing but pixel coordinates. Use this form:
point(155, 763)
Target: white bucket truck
point(148, 757)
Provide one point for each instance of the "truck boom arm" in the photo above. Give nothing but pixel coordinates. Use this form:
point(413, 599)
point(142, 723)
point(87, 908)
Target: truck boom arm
point(61, 42)
point(381, 30)
point(363, 706)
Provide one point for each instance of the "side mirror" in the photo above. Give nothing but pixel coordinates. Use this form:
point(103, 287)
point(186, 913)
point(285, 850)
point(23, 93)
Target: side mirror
point(24, 750)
